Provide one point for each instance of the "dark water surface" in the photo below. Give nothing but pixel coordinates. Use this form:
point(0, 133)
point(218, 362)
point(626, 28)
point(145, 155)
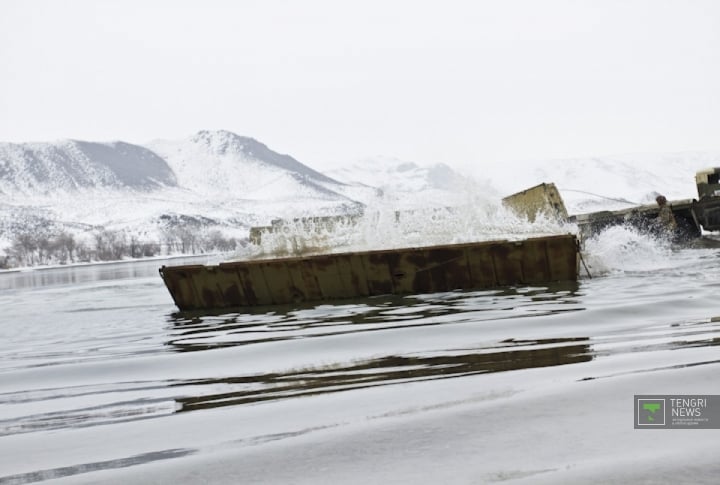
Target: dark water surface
point(101, 380)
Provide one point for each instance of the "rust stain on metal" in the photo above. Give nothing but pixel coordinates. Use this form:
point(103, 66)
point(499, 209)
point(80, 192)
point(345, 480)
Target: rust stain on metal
point(541, 199)
point(347, 275)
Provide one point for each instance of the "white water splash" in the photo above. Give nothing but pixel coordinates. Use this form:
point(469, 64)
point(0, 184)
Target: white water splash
point(623, 248)
point(387, 223)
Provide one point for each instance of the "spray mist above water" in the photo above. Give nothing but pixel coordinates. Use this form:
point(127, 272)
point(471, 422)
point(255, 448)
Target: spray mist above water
point(473, 213)
point(391, 222)
point(624, 248)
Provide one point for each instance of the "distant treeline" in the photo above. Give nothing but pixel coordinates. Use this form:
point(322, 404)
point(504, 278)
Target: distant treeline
point(32, 249)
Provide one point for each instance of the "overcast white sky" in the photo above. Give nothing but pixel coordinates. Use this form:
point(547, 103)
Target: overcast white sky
point(328, 81)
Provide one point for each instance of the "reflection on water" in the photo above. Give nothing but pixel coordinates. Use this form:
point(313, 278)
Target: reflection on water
point(194, 394)
point(78, 274)
point(105, 356)
point(118, 402)
point(130, 401)
point(393, 369)
point(68, 471)
point(197, 332)
point(193, 331)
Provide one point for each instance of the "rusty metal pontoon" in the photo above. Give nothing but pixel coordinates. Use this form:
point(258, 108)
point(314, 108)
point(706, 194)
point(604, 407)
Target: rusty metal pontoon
point(692, 215)
point(431, 269)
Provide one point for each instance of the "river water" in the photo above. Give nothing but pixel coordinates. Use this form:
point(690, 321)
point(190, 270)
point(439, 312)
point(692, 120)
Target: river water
point(101, 381)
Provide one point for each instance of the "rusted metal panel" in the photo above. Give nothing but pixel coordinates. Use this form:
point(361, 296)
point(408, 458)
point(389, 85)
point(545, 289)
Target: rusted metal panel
point(532, 261)
point(327, 276)
point(278, 281)
point(507, 263)
point(399, 271)
point(541, 199)
point(297, 288)
point(408, 270)
point(708, 182)
point(351, 276)
point(482, 269)
point(456, 269)
point(560, 261)
point(182, 286)
point(378, 274)
point(687, 213)
point(255, 284)
point(429, 269)
point(231, 285)
point(309, 281)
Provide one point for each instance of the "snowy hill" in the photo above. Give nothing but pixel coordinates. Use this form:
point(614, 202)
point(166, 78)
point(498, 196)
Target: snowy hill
point(207, 190)
point(31, 169)
point(606, 183)
point(398, 175)
point(191, 188)
point(213, 162)
point(407, 184)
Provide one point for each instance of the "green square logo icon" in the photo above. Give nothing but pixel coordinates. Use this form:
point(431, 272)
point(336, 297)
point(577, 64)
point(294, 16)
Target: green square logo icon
point(651, 412)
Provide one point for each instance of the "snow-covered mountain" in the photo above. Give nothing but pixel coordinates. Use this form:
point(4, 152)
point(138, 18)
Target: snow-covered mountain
point(409, 185)
point(238, 167)
point(216, 184)
point(215, 174)
point(214, 180)
point(609, 182)
point(31, 169)
point(397, 175)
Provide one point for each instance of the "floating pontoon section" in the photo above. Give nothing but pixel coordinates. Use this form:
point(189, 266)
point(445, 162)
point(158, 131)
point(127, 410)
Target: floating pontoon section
point(541, 199)
point(359, 274)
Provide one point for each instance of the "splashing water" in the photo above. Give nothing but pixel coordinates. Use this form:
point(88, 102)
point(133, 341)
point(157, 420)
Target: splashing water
point(387, 223)
point(623, 248)
point(391, 222)
point(382, 225)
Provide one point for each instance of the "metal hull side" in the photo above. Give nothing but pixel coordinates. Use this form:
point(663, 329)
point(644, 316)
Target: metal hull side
point(349, 275)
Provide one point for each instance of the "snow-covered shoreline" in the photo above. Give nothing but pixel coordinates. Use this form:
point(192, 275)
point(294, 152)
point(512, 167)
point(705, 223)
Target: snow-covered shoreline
point(28, 269)
point(216, 185)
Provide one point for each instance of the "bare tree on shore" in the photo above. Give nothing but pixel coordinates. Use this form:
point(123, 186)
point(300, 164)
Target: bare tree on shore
point(32, 249)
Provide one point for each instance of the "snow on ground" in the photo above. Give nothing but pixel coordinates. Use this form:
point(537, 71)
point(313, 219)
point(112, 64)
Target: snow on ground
point(607, 183)
point(231, 182)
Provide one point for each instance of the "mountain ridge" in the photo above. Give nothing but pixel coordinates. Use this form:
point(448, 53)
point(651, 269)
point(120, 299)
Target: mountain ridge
point(45, 167)
point(172, 192)
point(162, 192)
point(213, 162)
